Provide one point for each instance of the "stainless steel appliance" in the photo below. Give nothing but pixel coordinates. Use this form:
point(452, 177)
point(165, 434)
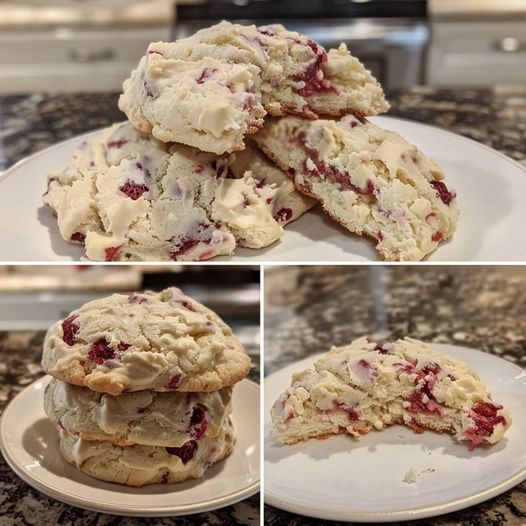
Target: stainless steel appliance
point(477, 42)
point(389, 36)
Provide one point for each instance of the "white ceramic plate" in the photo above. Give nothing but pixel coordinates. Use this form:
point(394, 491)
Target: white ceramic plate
point(343, 479)
point(30, 446)
point(490, 188)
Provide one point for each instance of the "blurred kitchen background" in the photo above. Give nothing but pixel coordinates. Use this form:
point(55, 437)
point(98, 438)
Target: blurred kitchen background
point(92, 45)
point(34, 297)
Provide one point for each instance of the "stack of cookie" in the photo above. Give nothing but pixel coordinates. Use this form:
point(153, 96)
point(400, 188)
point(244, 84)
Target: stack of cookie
point(142, 387)
point(170, 184)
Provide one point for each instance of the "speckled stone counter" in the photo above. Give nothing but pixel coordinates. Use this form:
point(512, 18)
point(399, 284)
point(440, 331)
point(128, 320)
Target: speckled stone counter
point(496, 117)
point(308, 309)
point(21, 505)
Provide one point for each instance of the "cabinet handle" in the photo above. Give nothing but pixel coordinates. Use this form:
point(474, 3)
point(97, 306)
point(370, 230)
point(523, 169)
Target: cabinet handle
point(85, 56)
point(509, 45)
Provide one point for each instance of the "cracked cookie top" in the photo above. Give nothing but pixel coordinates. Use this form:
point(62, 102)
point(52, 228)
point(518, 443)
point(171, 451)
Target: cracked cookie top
point(160, 341)
point(215, 87)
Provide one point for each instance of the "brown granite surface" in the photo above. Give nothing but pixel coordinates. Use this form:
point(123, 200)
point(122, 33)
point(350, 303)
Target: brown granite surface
point(494, 116)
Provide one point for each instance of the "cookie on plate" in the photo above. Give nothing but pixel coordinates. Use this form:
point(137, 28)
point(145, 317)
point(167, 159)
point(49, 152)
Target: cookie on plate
point(370, 180)
point(161, 341)
point(141, 465)
point(215, 87)
point(127, 196)
point(288, 204)
point(141, 417)
point(370, 385)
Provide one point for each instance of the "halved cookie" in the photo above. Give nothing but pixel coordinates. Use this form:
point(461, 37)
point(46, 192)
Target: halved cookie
point(370, 385)
point(215, 87)
point(161, 341)
point(370, 180)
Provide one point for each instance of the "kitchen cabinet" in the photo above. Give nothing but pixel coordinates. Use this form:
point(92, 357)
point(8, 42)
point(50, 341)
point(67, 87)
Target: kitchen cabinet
point(72, 59)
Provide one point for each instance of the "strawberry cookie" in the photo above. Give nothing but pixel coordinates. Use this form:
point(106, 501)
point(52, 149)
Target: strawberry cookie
point(370, 385)
point(139, 465)
point(215, 87)
point(128, 196)
point(370, 180)
point(163, 342)
point(140, 417)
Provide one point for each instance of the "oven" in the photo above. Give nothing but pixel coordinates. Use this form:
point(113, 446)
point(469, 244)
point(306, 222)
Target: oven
point(388, 36)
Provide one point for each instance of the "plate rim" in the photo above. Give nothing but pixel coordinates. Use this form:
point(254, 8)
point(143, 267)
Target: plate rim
point(130, 510)
point(391, 516)
point(456, 135)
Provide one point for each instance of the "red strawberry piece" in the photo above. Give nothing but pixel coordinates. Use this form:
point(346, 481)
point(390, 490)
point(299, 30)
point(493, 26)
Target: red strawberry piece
point(381, 349)
point(283, 215)
point(485, 417)
point(198, 422)
point(313, 76)
point(351, 412)
point(175, 381)
point(112, 253)
point(185, 452)
point(137, 298)
point(118, 143)
point(100, 352)
point(184, 247)
point(364, 363)
point(133, 190)
point(70, 329)
point(445, 195)
point(123, 346)
point(79, 237)
point(205, 75)
point(332, 173)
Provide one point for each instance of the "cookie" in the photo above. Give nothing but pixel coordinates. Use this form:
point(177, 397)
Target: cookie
point(141, 465)
point(287, 204)
point(142, 417)
point(127, 196)
point(370, 180)
point(370, 385)
point(160, 341)
point(215, 87)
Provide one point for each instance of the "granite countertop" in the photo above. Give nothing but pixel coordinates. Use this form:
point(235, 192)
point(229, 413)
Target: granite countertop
point(21, 505)
point(493, 116)
point(308, 309)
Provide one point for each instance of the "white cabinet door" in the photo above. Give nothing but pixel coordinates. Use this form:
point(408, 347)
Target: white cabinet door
point(61, 60)
point(477, 53)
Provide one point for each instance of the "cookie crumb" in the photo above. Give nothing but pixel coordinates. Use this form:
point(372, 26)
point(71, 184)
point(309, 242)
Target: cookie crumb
point(412, 476)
